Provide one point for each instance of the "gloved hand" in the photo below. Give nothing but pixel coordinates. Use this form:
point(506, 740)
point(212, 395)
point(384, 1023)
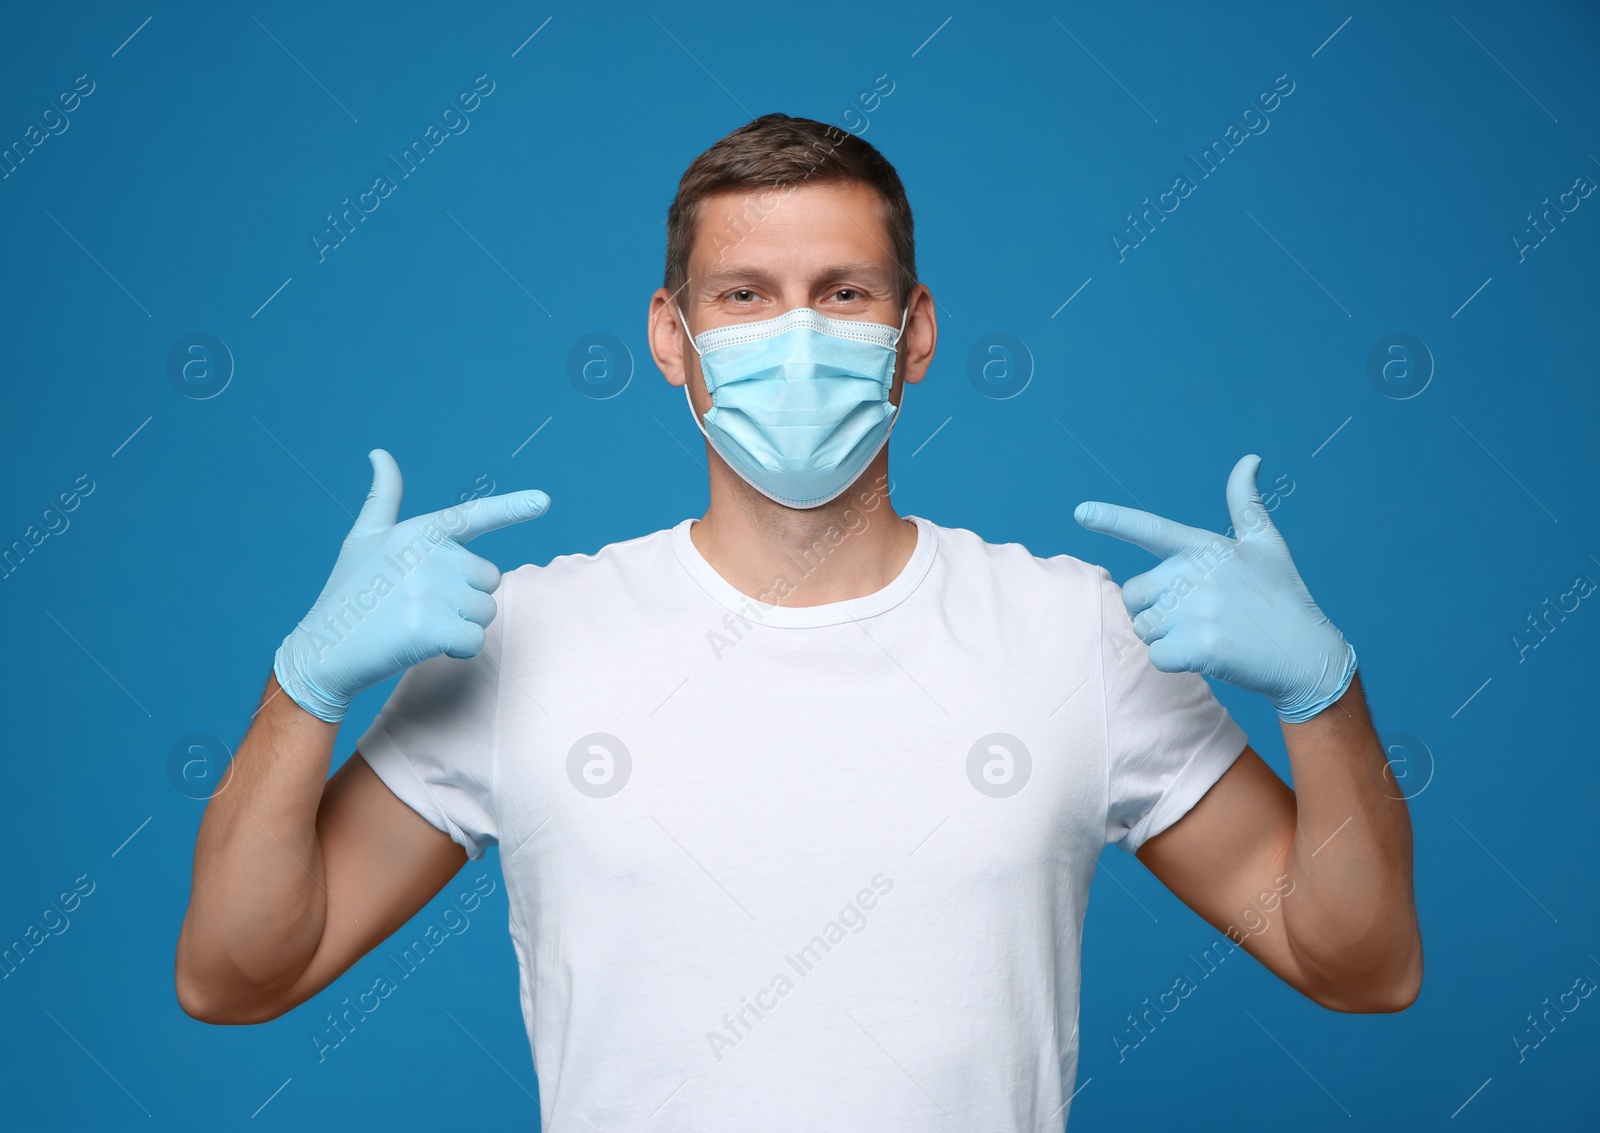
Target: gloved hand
point(399, 594)
point(1234, 609)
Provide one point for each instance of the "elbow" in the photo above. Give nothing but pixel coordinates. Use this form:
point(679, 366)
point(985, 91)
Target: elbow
point(1405, 992)
point(1406, 996)
point(194, 998)
point(1372, 999)
point(222, 1011)
point(197, 1008)
point(197, 1003)
point(1392, 990)
point(194, 1002)
point(205, 1001)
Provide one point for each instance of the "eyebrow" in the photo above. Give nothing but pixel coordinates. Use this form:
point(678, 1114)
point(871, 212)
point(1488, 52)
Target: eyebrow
point(867, 269)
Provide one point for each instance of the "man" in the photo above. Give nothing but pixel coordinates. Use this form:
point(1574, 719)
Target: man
point(799, 802)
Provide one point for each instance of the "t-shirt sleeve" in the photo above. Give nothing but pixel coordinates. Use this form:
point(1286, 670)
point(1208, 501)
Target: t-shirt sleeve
point(1170, 738)
point(433, 742)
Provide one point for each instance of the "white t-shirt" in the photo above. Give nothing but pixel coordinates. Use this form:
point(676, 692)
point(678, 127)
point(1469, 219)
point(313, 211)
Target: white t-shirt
point(815, 867)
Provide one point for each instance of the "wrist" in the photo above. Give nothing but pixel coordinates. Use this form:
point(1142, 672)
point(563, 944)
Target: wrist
point(288, 665)
point(1338, 670)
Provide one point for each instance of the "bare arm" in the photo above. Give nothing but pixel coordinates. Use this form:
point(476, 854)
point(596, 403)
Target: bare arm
point(296, 875)
point(1315, 882)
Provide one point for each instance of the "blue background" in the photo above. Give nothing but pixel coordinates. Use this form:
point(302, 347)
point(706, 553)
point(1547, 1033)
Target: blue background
point(1383, 198)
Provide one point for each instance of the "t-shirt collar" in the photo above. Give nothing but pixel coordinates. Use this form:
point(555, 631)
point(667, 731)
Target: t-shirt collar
point(755, 609)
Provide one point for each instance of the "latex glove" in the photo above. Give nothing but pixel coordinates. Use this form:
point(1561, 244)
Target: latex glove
point(399, 594)
point(1235, 609)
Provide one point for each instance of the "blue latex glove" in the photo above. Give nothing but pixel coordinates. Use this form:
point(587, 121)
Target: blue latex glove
point(1234, 609)
point(399, 594)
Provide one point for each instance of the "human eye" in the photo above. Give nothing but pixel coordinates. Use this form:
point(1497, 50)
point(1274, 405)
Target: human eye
point(742, 296)
point(849, 302)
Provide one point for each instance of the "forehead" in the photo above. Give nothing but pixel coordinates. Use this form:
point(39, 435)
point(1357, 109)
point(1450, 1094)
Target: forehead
point(794, 232)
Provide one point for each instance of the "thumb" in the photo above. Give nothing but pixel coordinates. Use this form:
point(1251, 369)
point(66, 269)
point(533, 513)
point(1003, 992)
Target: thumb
point(1245, 508)
point(383, 501)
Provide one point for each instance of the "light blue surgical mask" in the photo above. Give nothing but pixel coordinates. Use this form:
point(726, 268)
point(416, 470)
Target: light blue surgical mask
point(799, 403)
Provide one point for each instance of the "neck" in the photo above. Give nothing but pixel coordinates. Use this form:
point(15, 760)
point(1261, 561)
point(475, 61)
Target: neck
point(850, 547)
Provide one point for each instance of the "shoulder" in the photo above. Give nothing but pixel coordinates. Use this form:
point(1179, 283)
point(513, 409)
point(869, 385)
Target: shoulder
point(1007, 583)
point(618, 564)
point(971, 554)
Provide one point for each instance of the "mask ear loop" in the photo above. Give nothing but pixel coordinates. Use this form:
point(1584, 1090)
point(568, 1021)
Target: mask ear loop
point(686, 329)
point(894, 410)
point(686, 397)
point(899, 335)
point(894, 416)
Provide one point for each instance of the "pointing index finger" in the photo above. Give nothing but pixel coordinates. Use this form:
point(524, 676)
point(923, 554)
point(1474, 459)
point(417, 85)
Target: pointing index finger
point(1164, 537)
point(465, 521)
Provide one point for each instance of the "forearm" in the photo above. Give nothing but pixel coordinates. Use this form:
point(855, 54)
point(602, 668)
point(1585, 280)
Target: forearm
point(1352, 924)
point(257, 904)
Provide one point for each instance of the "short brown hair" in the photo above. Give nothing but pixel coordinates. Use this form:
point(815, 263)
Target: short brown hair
point(778, 151)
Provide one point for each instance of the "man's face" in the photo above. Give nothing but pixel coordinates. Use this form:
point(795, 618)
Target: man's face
point(760, 253)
